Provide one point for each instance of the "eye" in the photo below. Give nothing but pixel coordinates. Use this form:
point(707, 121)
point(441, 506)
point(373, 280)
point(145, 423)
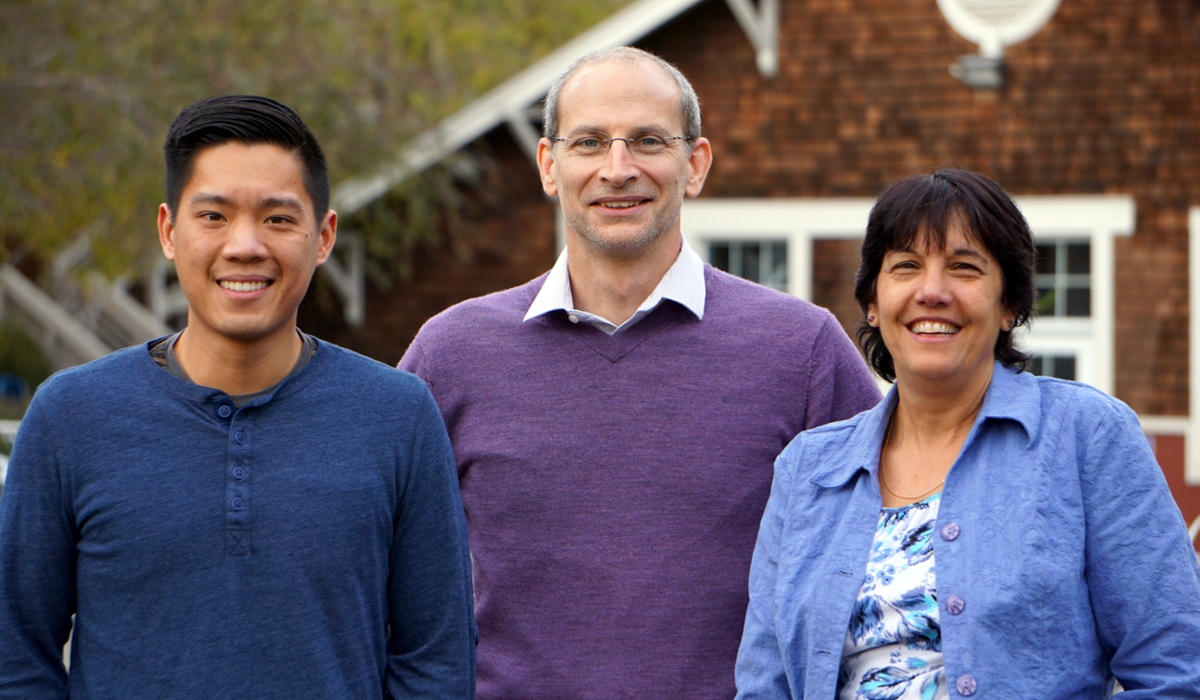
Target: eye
point(588, 143)
point(652, 142)
point(211, 216)
point(278, 219)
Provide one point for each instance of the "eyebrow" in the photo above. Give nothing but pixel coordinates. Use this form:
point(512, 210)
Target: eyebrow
point(586, 129)
point(268, 203)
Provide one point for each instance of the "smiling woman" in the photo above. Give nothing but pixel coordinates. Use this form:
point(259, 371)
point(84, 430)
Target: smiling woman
point(973, 532)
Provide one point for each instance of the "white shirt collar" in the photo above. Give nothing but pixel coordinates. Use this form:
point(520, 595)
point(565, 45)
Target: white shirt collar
point(683, 283)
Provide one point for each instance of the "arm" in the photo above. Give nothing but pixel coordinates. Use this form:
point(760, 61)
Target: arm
point(37, 567)
point(431, 651)
point(760, 672)
point(1141, 569)
point(839, 385)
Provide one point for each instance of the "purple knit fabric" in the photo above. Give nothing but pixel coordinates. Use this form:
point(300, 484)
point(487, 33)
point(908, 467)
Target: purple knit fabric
point(614, 484)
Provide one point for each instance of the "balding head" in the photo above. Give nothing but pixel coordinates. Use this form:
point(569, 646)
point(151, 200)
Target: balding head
point(689, 103)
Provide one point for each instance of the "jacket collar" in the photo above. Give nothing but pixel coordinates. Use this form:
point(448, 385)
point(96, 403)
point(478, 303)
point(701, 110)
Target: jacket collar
point(1011, 395)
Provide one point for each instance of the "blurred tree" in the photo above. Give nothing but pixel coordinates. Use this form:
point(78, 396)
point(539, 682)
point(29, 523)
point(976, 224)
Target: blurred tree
point(88, 87)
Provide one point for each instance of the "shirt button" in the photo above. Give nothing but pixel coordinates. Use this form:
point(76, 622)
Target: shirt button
point(224, 411)
point(237, 504)
point(955, 604)
point(573, 318)
point(239, 473)
point(966, 685)
point(950, 532)
point(239, 437)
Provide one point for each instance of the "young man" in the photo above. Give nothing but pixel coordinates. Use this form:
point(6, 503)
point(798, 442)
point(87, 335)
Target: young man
point(616, 421)
point(238, 510)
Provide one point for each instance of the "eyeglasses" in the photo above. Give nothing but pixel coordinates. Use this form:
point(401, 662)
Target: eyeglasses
point(645, 145)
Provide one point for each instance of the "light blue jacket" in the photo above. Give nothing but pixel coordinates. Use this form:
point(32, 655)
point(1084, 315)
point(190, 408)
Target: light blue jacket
point(1056, 529)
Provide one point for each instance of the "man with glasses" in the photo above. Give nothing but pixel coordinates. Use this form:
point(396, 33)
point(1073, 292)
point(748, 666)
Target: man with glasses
point(615, 421)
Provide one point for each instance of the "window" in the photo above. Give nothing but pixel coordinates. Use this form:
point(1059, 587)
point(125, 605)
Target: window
point(1061, 366)
point(1064, 279)
point(764, 262)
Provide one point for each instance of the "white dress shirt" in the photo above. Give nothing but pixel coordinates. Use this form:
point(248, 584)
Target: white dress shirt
point(683, 283)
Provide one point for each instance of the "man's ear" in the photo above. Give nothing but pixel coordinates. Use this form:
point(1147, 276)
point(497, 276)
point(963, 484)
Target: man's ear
point(545, 160)
point(699, 163)
point(166, 231)
point(328, 236)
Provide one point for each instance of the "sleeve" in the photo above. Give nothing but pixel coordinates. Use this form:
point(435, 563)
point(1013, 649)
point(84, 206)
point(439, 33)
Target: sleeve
point(414, 360)
point(760, 673)
point(1141, 569)
point(431, 650)
point(840, 385)
point(37, 567)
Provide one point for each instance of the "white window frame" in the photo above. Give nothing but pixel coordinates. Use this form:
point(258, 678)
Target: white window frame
point(1097, 219)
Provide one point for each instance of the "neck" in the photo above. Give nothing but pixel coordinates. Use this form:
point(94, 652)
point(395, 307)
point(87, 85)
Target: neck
point(929, 414)
point(612, 286)
point(234, 366)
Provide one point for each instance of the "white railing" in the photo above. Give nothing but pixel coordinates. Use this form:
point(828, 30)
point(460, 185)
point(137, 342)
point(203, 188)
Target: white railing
point(65, 339)
point(8, 433)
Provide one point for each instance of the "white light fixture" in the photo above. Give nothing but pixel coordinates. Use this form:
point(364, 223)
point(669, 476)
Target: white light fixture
point(993, 24)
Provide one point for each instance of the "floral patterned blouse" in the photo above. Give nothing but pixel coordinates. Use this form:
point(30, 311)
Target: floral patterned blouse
point(893, 648)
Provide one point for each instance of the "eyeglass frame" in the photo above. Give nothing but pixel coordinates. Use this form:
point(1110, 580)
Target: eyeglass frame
point(608, 142)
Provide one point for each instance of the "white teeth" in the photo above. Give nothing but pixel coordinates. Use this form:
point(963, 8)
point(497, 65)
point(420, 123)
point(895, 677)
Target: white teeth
point(243, 286)
point(934, 327)
point(620, 205)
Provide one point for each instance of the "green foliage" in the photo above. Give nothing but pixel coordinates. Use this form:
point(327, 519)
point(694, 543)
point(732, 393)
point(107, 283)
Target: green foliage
point(88, 87)
point(22, 356)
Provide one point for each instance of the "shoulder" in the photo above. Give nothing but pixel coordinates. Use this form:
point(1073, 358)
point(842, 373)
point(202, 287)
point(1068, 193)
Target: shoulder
point(733, 295)
point(1082, 404)
point(119, 371)
point(361, 377)
point(490, 312)
point(764, 312)
point(829, 446)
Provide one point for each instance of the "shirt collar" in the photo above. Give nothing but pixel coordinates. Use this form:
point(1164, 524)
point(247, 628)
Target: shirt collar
point(1011, 395)
point(683, 283)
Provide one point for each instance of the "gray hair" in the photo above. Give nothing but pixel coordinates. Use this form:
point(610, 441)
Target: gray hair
point(689, 102)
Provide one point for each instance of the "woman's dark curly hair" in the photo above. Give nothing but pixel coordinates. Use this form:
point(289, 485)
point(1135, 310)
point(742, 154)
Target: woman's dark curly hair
point(920, 207)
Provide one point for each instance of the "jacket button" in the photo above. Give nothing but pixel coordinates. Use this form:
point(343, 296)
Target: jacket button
point(224, 411)
point(965, 685)
point(955, 604)
point(950, 532)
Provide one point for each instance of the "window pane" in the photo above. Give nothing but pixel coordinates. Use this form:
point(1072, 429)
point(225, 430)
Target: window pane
point(1064, 367)
point(1060, 366)
point(718, 254)
point(1079, 302)
point(1044, 305)
point(1045, 259)
point(750, 262)
point(778, 278)
point(1079, 258)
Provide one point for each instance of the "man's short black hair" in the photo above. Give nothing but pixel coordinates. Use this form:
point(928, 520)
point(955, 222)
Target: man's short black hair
point(249, 120)
point(918, 210)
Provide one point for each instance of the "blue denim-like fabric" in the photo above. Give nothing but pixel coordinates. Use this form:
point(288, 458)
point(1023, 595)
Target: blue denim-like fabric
point(1072, 557)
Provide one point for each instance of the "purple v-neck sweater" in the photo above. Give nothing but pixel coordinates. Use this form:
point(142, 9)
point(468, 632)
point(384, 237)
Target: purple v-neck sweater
point(614, 484)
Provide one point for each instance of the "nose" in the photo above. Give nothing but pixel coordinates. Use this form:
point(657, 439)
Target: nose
point(619, 166)
point(245, 240)
point(934, 289)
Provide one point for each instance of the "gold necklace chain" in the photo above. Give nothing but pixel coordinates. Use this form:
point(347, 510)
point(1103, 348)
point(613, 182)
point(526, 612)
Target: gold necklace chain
point(887, 436)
